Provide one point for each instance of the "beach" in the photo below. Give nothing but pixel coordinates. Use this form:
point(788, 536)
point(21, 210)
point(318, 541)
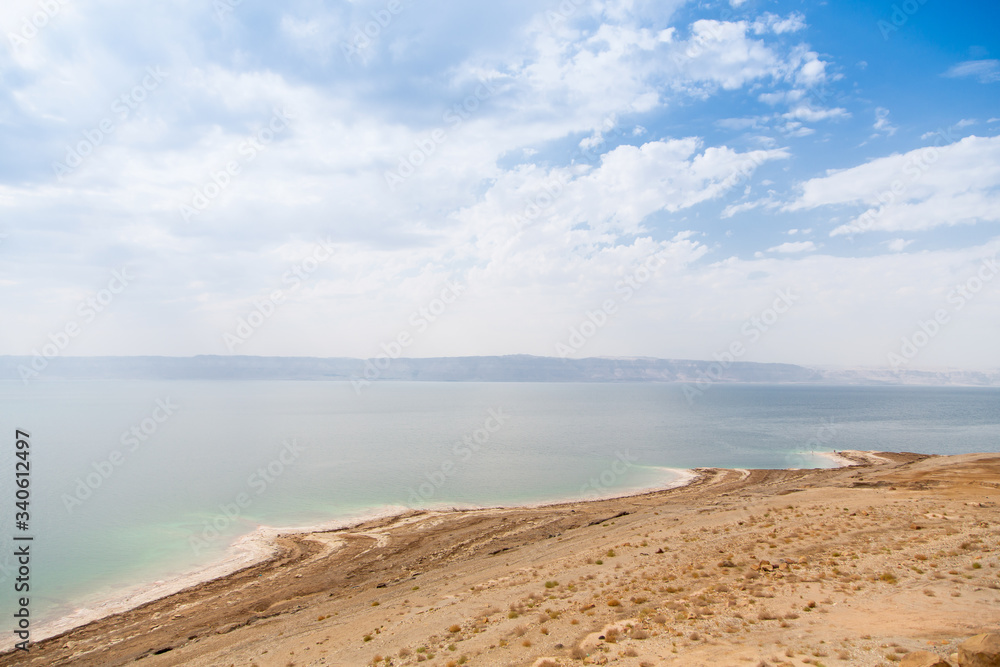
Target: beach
point(853, 565)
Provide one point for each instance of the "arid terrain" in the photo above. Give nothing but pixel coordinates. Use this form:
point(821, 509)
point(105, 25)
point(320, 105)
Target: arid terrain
point(850, 566)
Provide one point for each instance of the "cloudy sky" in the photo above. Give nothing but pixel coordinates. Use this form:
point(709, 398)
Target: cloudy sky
point(818, 182)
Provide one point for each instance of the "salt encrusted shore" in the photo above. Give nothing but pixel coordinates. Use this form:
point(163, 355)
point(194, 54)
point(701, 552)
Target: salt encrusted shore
point(261, 545)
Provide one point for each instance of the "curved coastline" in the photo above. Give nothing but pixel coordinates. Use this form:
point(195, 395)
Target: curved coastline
point(260, 545)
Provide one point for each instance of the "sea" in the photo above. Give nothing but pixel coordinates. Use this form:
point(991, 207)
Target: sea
point(137, 487)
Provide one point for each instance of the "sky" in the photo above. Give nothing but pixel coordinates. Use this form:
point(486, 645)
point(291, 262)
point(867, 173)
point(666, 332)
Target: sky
point(757, 180)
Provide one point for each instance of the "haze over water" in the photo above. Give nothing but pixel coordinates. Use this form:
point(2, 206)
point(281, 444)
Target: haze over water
point(290, 453)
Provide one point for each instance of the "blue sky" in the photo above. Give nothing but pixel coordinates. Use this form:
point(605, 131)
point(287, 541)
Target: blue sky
point(591, 178)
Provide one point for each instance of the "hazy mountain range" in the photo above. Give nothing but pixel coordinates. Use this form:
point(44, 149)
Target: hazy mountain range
point(512, 368)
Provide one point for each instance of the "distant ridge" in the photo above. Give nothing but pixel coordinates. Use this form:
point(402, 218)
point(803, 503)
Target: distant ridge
point(510, 368)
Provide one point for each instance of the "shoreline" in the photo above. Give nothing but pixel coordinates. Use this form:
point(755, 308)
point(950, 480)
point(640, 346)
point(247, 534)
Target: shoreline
point(267, 548)
point(260, 546)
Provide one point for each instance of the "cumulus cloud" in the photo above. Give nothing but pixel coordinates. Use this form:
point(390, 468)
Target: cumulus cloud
point(544, 160)
point(918, 190)
point(774, 23)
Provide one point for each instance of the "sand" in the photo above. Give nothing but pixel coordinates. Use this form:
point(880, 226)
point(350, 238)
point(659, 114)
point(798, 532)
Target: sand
point(845, 566)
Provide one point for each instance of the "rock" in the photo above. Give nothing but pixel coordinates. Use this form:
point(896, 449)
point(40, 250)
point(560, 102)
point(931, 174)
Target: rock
point(923, 659)
point(980, 651)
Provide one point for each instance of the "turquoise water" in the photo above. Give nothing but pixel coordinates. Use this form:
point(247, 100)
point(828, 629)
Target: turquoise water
point(242, 454)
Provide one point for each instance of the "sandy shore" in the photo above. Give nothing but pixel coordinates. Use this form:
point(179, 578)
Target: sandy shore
point(846, 565)
point(261, 545)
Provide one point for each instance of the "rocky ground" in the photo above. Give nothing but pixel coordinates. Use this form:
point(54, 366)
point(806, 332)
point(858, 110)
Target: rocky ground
point(851, 566)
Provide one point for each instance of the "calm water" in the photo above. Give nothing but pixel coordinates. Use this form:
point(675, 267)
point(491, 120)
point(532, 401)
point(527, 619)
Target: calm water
point(300, 453)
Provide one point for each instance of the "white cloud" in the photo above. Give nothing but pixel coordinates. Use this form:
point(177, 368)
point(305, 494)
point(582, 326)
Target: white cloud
point(734, 209)
point(898, 245)
point(780, 96)
point(769, 22)
point(985, 71)
point(882, 123)
point(922, 189)
point(796, 129)
point(791, 247)
point(811, 70)
point(809, 114)
point(592, 77)
point(631, 183)
point(739, 123)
